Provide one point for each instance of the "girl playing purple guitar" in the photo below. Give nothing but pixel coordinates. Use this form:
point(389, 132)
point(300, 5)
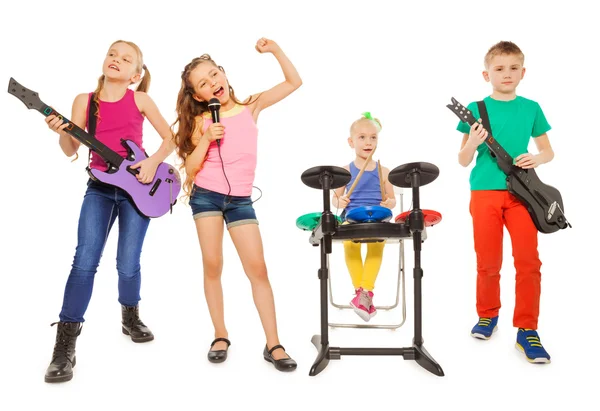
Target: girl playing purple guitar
point(120, 114)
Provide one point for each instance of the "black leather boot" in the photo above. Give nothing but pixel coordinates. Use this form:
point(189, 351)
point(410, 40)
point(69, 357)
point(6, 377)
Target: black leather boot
point(133, 326)
point(63, 357)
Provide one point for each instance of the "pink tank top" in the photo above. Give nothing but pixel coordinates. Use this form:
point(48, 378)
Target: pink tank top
point(116, 120)
point(238, 150)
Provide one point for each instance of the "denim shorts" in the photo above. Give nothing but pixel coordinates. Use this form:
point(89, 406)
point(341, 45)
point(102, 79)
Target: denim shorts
point(234, 210)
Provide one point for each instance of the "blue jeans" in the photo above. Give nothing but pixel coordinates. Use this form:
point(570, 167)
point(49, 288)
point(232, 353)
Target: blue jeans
point(101, 206)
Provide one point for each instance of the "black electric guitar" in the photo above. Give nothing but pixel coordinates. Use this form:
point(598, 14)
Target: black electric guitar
point(543, 202)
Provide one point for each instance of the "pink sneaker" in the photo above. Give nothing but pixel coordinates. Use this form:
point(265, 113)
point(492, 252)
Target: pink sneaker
point(360, 302)
point(372, 309)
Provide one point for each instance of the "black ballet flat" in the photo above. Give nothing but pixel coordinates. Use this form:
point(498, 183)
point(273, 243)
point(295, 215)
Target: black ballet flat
point(218, 356)
point(285, 364)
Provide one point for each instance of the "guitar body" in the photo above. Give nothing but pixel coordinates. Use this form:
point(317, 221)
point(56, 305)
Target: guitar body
point(153, 199)
point(533, 194)
point(543, 202)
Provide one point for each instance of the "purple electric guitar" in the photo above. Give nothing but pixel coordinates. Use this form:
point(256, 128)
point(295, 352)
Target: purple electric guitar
point(153, 199)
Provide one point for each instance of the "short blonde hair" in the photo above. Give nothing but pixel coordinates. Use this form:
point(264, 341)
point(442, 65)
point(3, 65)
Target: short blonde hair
point(503, 47)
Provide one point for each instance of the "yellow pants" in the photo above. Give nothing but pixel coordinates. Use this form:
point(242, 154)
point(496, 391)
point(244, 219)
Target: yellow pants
point(363, 275)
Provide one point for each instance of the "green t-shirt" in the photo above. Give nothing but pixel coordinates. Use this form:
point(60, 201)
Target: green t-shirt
point(513, 123)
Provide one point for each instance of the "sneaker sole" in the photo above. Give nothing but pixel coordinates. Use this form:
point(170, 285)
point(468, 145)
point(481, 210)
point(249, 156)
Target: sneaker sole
point(361, 313)
point(483, 337)
point(540, 360)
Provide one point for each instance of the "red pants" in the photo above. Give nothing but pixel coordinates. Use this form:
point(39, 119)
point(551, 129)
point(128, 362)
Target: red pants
point(491, 210)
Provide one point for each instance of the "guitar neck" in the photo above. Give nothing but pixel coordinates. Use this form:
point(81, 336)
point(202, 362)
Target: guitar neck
point(505, 161)
point(110, 156)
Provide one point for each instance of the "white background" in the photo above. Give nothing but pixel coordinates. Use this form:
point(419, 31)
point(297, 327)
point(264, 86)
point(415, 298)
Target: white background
point(402, 63)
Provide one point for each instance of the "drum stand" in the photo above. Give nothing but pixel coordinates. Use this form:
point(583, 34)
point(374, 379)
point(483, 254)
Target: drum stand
point(326, 178)
point(400, 291)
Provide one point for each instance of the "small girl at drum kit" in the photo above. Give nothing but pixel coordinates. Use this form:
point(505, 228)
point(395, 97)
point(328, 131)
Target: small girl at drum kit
point(368, 187)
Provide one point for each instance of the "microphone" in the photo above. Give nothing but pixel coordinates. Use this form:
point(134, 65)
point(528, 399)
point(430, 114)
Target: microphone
point(215, 105)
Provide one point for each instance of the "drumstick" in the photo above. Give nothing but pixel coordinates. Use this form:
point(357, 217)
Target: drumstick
point(381, 184)
point(360, 173)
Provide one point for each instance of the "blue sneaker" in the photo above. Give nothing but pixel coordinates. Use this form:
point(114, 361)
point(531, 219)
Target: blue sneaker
point(484, 328)
point(528, 342)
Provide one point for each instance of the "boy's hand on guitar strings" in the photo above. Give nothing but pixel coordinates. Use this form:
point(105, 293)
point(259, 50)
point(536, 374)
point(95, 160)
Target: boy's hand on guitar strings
point(527, 161)
point(477, 135)
point(55, 124)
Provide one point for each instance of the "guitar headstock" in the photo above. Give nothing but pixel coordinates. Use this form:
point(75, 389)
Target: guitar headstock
point(462, 112)
point(28, 97)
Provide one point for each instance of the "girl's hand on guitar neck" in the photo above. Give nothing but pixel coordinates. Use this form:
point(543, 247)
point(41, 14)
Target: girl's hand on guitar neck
point(55, 124)
point(527, 161)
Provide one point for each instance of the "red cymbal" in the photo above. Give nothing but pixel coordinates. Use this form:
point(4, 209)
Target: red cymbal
point(431, 217)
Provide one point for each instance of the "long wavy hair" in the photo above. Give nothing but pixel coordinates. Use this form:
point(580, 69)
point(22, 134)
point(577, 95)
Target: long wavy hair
point(188, 109)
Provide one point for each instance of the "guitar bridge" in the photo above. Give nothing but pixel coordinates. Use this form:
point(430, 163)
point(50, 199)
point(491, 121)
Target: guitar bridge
point(171, 202)
point(561, 219)
point(551, 211)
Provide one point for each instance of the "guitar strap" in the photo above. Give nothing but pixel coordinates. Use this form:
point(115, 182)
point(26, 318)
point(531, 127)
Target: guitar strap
point(485, 121)
point(485, 118)
point(92, 110)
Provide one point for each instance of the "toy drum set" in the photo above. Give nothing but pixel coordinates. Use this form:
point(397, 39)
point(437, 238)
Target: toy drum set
point(369, 224)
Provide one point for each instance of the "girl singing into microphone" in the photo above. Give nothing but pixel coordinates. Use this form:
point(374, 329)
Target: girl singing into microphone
point(219, 183)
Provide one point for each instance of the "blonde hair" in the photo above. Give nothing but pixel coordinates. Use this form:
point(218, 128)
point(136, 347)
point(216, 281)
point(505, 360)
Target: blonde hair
point(144, 84)
point(503, 47)
point(145, 81)
point(366, 117)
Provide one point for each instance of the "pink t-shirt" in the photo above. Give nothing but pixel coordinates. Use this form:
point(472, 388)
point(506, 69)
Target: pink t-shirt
point(238, 150)
point(116, 120)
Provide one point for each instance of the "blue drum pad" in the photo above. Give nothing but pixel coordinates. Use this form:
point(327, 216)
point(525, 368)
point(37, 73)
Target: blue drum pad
point(369, 214)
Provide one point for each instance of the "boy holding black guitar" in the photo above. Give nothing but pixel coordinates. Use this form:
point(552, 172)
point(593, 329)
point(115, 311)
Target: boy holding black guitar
point(506, 191)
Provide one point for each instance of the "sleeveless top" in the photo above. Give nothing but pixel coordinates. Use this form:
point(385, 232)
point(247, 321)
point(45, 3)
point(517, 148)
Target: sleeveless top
point(368, 190)
point(116, 120)
point(238, 151)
